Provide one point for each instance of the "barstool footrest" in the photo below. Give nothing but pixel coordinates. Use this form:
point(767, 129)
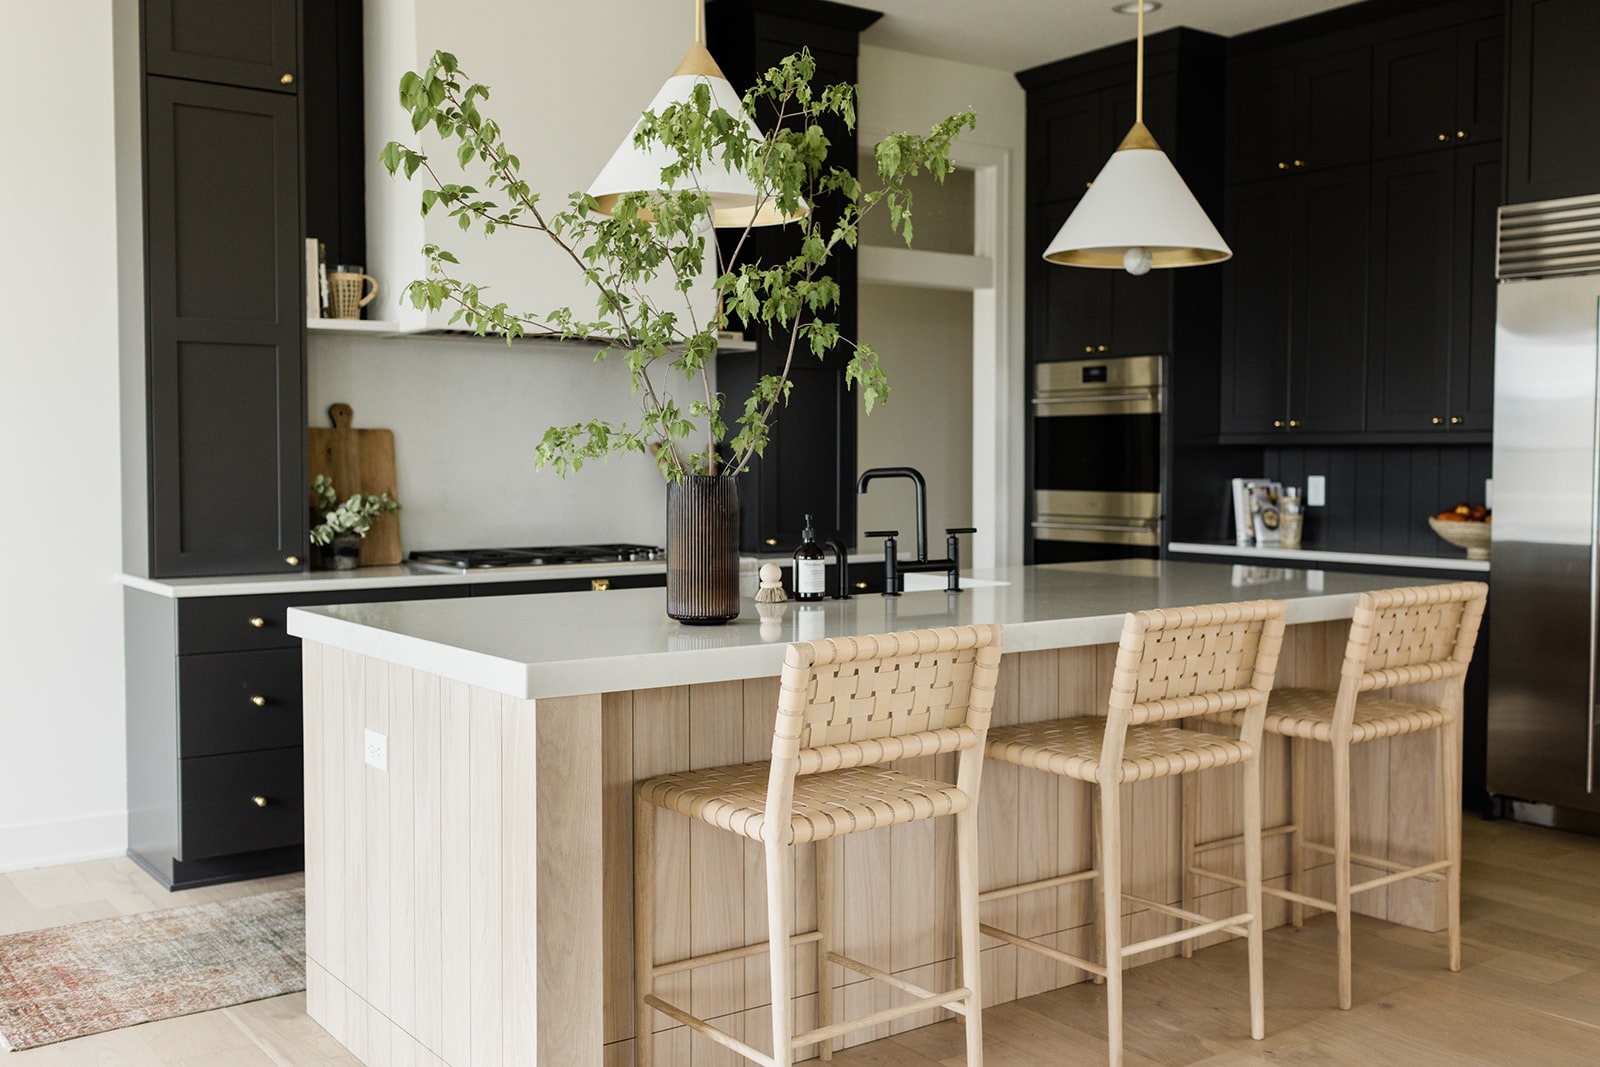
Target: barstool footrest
point(888, 979)
point(700, 1026)
point(728, 955)
point(1426, 871)
point(1298, 898)
point(1365, 860)
point(1232, 925)
point(1044, 950)
point(1005, 892)
point(1238, 839)
point(887, 1015)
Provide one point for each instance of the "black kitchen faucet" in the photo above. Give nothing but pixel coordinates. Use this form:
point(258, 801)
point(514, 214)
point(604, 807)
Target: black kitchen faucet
point(893, 567)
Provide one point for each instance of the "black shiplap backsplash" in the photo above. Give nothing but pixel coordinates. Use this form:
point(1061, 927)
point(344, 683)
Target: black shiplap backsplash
point(1380, 497)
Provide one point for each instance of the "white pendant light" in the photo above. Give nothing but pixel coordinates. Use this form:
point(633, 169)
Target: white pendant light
point(632, 169)
point(1138, 214)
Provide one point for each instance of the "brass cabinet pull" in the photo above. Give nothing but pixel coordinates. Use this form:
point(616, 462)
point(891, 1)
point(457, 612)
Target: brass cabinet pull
point(1299, 163)
point(1456, 420)
point(257, 621)
point(1444, 137)
point(1102, 348)
point(259, 701)
point(1283, 166)
point(259, 801)
point(599, 585)
point(1277, 424)
point(1461, 135)
point(286, 79)
point(1437, 420)
point(1293, 423)
point(1088, 185)
point(1088, 348)
point(771, 541)
point(293, 561)
point(861, 585)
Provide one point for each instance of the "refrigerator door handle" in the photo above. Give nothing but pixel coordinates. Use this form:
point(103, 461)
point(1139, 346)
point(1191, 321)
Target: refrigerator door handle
point(1594, 579)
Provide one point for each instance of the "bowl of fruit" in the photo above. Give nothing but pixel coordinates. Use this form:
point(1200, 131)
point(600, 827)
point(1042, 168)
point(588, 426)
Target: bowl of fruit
point(1465, 526)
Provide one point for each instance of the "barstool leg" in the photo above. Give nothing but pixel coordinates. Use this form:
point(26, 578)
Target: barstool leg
point(1111, 914)
point(826, 850)
point(644, 881)
point(971, 960)
point(1098, 858)
point(780, 924)
point(1297, 818)
point(1189, 792)
point(1251, 770)
point(1341, 865)
point(1450, 811)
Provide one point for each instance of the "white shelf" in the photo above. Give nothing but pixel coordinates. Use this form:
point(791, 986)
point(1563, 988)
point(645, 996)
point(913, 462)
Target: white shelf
point(351, 325)
point(1303, 556)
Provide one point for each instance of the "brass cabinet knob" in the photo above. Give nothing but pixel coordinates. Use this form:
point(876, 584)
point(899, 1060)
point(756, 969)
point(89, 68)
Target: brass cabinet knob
point(599, 585)
point(257, 621)
point(1293, 423)
point(1299, 163)
point(259, 801)
point(1088, 185)
point(1088, 348)
point(1461, 135)
point(1437, 420)
point(1277, 424)
point(1444, 137)
point(293, 561)
point(286, 79)
point(1456, 420)
point(1283, 166)
point(1102, 348)
point(259, 701)
point(771, 541)
point(861, 585)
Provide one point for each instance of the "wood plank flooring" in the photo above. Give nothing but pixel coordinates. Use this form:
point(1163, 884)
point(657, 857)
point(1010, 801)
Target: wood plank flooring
point(1528, 993)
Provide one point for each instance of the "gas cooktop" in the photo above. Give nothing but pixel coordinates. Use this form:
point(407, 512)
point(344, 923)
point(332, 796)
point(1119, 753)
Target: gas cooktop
point(548, 555)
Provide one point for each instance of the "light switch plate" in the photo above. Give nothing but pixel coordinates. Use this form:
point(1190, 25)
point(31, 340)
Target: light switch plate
point(376, 749)
point(1488, 492)
point(1316, 491)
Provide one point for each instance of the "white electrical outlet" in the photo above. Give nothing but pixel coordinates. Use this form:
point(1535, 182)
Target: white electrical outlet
point(1316, 491)
point(377, 750)
point(1488, 493)
point(1314, 583)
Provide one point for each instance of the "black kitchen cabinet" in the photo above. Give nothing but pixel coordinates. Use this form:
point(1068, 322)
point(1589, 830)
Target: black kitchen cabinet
point(1289, 115)
point(247, 43)
point(1438, 89)
point(809, 466)
point(1552, 139)
point(1294, 319)
point(225, 360)
point(1431, 332)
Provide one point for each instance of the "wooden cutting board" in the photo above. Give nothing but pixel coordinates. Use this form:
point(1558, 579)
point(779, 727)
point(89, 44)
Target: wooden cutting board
point(359, 461)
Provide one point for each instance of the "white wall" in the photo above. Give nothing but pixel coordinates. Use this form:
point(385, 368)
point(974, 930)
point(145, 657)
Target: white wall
point(62, 781)
point(901, 91)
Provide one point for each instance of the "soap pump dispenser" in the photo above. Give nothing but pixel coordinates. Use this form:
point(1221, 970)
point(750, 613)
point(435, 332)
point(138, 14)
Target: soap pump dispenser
point(810, 565)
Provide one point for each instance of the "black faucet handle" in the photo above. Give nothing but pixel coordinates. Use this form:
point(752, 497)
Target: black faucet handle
point(883, 533)
point(960, 529)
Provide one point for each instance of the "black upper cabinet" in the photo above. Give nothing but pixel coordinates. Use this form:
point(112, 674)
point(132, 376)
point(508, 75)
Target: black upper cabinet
point(1295, 306)
point(226, 393)
point(1471, 406)
point(1437, 89)
point(1287, 115)
point(248, 43)
point(1553, 127)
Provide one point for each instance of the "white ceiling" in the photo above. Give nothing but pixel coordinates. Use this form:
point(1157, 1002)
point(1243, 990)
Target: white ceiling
point(1017, 34)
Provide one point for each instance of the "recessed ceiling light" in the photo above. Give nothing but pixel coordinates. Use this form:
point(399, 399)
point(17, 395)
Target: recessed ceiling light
point(1132, 7)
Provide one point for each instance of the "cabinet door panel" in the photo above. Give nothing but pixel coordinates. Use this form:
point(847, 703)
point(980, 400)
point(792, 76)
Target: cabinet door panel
point(1073, 149)
point(1472, 334)
point(217, 697)
point(1328, 340)
point(1413, 280)
point(227, 402)
point(1071, 305)
point(249, 43)
point(1333, 109)
point(220, 813)
point(1256, 309)
point(1261, 121)
point(1414, 93)
point(1480, 70)
point(1553, 129)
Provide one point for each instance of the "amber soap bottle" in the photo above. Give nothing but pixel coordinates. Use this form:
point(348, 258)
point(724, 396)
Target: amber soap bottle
point(810, 567)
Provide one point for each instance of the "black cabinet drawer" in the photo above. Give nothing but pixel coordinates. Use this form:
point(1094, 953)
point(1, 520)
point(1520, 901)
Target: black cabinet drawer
point(571, 585)
point(244, 623)
point(238, 701)
point(242, 803)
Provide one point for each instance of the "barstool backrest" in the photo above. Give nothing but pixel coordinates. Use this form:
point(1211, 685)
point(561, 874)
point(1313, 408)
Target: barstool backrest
point(1407, 636)
point(1180, 663)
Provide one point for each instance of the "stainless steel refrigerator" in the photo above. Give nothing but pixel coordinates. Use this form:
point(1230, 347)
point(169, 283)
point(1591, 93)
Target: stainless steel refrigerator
point(1545, 583)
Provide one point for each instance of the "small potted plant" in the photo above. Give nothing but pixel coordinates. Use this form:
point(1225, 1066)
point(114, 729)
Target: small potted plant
point(341, 526)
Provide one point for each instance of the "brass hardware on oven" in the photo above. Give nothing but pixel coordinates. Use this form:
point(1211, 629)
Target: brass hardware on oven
point(599, 585)
point(1437, 420)
point(293, 561)
point(259, 801)
point(259, 701)
point(257, 621)
point(286, 79)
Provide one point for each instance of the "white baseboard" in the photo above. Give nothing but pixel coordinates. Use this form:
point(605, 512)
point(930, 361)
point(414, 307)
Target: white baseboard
point(58, 841)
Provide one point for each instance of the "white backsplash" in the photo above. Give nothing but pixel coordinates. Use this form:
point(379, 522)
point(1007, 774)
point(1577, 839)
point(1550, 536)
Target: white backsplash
point(466, 415)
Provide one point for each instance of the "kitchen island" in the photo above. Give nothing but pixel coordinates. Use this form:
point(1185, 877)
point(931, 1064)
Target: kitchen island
point(468, 767)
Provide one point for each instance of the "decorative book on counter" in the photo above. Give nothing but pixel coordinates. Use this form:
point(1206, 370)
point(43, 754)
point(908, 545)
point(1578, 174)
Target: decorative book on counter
point(1256, 511)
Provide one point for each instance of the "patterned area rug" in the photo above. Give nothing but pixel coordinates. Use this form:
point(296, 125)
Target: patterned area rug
point(72, 981)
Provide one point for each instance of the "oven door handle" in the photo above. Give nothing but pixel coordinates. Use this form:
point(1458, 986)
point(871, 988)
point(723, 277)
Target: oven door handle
point(1116, 527)
point(1095, 398)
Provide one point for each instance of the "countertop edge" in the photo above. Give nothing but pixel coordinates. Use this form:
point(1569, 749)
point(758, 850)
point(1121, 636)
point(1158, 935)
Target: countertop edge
point(399, 576)
point(1319, 555)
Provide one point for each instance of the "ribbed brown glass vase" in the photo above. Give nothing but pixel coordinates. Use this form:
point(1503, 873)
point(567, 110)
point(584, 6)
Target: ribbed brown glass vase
point(703, 550)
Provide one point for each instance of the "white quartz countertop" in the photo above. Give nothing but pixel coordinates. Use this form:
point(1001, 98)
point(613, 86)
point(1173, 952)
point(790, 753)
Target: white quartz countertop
point(564, 644)
point(396, 577)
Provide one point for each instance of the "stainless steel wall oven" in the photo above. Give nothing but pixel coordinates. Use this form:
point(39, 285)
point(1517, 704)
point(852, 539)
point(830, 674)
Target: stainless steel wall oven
point(1097, 459)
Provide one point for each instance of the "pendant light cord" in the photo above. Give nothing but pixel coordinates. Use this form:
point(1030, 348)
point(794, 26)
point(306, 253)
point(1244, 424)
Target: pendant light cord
point(700, 22)
point(1138, 92)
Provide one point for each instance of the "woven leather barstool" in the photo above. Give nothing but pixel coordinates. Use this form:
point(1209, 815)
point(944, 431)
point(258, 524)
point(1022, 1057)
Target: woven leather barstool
point(1172, 664)
point(846, 707)
point(1398, 637)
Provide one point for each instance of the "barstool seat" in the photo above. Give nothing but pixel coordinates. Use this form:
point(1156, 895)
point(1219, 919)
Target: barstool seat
point(1309, 713)
point(1072, 747)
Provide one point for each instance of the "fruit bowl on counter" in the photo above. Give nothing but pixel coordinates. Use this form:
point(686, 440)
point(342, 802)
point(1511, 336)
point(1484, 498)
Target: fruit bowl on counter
point(1465, 526)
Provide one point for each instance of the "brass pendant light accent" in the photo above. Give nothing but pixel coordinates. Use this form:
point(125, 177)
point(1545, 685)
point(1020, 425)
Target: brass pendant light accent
point(734, 199)
point(1138, 213)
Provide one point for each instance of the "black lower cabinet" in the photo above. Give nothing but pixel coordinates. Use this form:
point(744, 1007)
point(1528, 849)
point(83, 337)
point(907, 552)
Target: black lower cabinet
point(215, 714)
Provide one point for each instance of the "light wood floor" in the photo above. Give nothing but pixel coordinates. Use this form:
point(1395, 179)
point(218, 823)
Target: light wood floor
point(1528, 992)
